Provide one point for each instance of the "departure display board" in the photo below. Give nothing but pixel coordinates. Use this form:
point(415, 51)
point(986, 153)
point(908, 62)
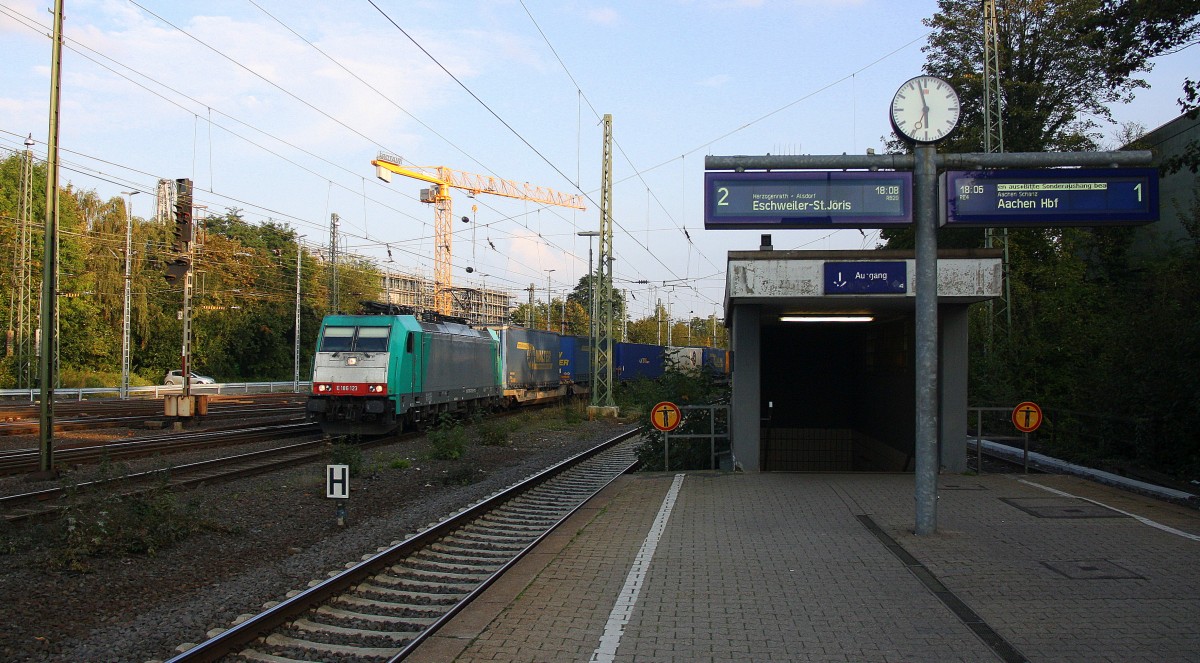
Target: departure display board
point(1050, 197)
point(807, 199)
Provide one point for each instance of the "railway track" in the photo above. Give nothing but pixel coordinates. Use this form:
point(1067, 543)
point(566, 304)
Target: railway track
point(383, 607)
point(20, 461)
point(46, 502)
point(23, 419)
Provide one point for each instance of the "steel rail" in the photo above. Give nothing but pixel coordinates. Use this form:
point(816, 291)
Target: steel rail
point(37, 504)
point(22, 460)
point(237, 638)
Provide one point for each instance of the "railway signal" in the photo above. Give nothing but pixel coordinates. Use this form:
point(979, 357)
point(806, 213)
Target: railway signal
point(178, 267)
point(183, 214)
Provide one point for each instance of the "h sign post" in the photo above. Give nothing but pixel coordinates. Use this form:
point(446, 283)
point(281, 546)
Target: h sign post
point(337, 486)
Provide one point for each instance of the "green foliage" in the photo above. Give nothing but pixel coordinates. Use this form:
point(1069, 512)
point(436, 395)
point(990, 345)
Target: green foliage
point(682, 388)
point(573, 412)
point(399, 463)
point(243, 303)
point(75, 378)
point(494, 432)
point(1104, 340)
point(461, 476)
point(448, 439)
point(116, 526)
point(347, 453)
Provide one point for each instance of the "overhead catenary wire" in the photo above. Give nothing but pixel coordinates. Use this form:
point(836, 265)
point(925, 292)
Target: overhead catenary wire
point(548, 237)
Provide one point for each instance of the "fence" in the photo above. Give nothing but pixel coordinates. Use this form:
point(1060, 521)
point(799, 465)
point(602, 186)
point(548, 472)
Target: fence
point(1083, 436)
point(157, 391)
point(700, 422)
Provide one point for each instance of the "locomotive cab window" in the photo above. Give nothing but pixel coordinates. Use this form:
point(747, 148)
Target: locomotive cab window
point(408, 344)
point(337, 339)
point(372, 339)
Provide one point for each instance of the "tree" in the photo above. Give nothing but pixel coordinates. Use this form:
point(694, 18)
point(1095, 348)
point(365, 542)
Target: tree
point(1092, 331)
point(1143, 29)
point(582, 294)
point(1062, 63)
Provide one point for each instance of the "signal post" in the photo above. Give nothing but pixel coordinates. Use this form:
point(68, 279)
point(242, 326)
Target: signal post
point(184, 404)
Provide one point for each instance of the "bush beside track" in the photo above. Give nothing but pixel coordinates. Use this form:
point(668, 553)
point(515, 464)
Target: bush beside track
point(251, 541)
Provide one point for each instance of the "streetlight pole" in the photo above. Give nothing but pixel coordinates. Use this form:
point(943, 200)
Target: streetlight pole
point(548, 298)
point(592, 304)
point(669, 293)
point(482, 319)
point(658, 319)
point(296, 349)
point(591, 301)
point(125, 357)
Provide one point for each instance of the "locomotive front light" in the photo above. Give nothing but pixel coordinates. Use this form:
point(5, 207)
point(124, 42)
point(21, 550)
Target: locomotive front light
point(322, 388)
point(377, 388)
point(351, 361)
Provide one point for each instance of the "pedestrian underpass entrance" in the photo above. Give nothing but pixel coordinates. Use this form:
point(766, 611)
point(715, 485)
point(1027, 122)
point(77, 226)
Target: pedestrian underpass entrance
point(824, 364)
point(838, 395)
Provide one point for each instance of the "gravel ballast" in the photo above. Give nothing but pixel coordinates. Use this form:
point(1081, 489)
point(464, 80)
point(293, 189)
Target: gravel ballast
point(264, 536)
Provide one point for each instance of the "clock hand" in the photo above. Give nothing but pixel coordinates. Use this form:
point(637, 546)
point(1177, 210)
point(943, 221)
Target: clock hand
point(924, 121)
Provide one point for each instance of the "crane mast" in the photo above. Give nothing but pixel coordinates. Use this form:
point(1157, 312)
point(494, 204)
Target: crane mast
point(442, 180)
point(993, 141)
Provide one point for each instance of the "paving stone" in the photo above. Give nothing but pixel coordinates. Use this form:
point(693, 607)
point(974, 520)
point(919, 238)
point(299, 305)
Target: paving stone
point(780, 567)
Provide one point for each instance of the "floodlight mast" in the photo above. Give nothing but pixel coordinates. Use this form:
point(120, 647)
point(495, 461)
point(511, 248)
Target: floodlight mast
point(443, 179)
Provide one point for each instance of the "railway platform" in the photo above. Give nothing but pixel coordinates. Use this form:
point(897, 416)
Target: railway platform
point(824, 567)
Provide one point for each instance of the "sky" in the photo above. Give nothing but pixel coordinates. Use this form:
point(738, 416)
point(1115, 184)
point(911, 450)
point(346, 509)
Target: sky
point(277, 109)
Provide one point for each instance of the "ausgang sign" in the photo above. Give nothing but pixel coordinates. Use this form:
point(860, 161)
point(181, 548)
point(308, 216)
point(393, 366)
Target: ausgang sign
point(852, 278)
point(1050, 197)
point(807, 199)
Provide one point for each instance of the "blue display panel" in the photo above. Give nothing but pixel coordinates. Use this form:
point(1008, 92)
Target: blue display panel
point(1050, 197)
point(807, 199)
point(853, 278)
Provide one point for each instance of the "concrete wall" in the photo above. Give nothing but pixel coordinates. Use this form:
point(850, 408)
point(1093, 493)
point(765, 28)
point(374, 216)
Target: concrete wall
point(842, 377)
point(746, 381)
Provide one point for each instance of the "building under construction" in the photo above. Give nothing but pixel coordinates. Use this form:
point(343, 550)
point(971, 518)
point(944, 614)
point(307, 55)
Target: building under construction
point(479, 305)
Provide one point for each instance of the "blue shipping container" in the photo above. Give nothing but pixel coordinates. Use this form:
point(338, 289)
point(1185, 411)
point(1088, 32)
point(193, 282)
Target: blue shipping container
point(637, 360)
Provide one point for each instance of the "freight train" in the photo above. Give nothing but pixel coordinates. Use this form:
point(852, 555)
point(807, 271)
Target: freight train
point(373, 374)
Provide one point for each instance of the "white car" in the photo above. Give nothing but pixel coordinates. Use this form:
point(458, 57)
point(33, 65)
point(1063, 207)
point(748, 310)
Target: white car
point(176, 378)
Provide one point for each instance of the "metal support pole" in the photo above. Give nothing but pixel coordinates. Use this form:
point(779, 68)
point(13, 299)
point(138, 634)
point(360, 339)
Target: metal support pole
point(602, 380)
point(296, 349)
point(624, 314)
point(925, 218)
point(186, 353)
point(591, 312)
point(925, 162)
point(658, 320)
point(49, 308)
point(125, 355)
point(669, 293)
point(548, 309)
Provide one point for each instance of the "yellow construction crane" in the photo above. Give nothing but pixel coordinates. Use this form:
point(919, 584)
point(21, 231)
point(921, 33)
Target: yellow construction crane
point(442, 179)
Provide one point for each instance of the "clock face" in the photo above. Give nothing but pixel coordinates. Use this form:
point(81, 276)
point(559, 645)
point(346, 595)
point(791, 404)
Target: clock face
point(925, 109)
